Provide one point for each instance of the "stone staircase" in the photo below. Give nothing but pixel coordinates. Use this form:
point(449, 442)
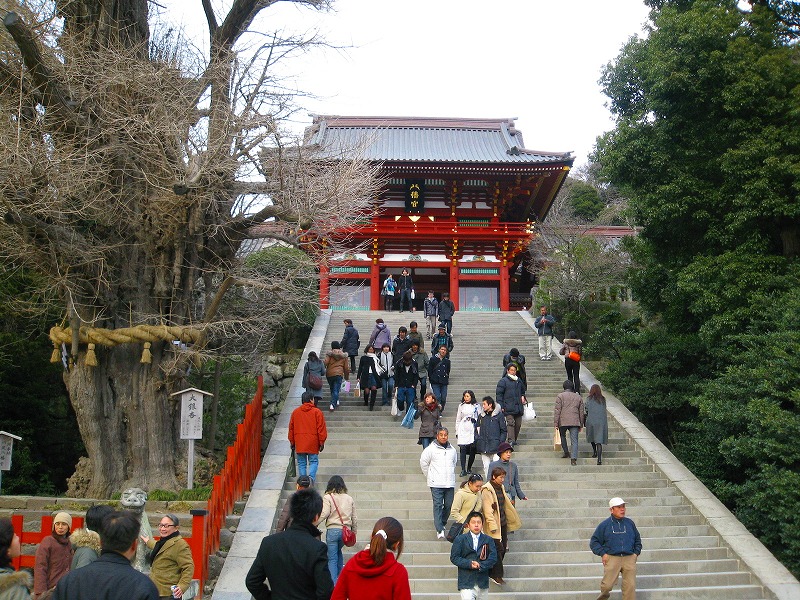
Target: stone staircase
point(683, 556)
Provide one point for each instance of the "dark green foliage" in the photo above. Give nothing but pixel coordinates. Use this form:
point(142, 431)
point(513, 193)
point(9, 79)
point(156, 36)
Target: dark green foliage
point(237, 386)
point(706, 147)
point(33, 399)
point(657, 373)
point(585, 201)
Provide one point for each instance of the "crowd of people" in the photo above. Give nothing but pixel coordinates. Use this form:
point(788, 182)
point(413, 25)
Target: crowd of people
point(97, 563)
point(483, 507)
point(296, 561)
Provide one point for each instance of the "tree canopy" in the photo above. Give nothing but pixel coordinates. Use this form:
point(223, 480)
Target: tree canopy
point(132, 169)
point(706, 146)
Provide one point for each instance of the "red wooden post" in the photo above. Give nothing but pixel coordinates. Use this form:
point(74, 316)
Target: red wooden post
point(375, 285)
point(198, 545)
point(324, 287)
point(454, 283)
point(505, 295)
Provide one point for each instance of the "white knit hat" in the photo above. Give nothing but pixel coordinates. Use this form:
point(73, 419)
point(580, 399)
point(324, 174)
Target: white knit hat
point(63, 517)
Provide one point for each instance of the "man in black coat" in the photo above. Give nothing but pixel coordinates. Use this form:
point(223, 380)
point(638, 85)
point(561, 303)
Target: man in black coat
point(350, 343)
point(110, 577)
point(294, 562)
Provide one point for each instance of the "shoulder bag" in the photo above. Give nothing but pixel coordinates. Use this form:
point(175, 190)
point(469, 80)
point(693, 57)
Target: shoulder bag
point(348, 535)
point(457, 528)
point(314, 381)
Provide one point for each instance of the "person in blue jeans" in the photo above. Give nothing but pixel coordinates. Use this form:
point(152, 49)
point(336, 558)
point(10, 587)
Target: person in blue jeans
point(307, 435)
point(438, 463)
point(406, 377)
point(439, 375)
point(337, 369)
point(338, 509)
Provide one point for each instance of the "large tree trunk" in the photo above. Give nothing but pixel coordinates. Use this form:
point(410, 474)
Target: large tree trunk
point(127, 421)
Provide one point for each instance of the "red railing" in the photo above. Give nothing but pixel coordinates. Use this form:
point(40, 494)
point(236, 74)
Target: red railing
point(241, 467)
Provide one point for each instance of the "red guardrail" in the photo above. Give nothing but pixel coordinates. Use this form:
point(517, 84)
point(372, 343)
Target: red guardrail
point(241, 467)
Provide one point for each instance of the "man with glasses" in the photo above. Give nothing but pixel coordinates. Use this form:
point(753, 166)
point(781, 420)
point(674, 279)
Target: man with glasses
point(171, 559)
point(619, 544)
point(111, 576)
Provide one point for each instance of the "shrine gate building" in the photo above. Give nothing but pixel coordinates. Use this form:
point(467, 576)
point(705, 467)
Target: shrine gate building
point(458, 210)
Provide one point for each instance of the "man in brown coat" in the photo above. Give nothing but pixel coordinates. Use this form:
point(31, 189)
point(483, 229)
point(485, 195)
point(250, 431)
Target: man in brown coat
point(569, 415)
point(307, 435)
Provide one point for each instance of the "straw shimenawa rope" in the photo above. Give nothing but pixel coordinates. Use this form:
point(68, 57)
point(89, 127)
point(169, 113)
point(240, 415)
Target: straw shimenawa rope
point(146, 334)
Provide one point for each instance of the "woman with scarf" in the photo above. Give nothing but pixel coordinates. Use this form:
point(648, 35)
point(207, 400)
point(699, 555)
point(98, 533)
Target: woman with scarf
point(14, 585)
point(368, 376)
point(53, 557)
point(170, 559)
point(374, 573)
point(466, 421)
point(510, 394)
point(429, 412)
point(500, 518)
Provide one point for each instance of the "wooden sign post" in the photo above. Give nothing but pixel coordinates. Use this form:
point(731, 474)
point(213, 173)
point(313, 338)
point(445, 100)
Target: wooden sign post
point(191, 423)
point(6, 448)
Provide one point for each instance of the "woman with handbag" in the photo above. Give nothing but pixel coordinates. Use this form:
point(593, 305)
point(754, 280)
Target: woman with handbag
point(466, 500)
point(466, 421)
point(338, 512)
point(429, 413)
point(499, 519)
point(313, 376)
point(572, 350)
point(368, 376)
point(374, 573)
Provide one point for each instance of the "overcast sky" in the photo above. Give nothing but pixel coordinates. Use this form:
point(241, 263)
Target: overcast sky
point(536, 60)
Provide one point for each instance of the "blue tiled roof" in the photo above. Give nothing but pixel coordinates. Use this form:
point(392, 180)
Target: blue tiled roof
point(412, 139)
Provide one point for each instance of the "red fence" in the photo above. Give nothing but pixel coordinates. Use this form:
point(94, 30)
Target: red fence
point(241, 467)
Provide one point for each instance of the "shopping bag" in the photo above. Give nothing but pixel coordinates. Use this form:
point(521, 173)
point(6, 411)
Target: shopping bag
point(530, 412)
point(394, 411)
point(408, 420)
point(556, 440)
point(357, 389)
point(345, 387)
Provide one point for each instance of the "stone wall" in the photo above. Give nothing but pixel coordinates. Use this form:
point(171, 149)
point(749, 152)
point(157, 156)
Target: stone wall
point(278, 372)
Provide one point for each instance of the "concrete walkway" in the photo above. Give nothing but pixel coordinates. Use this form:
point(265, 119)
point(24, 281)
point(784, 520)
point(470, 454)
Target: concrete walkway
point(429, 570)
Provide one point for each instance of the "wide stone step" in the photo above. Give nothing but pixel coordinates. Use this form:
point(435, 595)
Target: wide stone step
point(743, 592)
point(516, 582)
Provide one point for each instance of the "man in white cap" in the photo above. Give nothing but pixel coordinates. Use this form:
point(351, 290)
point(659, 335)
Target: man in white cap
point(618, 542)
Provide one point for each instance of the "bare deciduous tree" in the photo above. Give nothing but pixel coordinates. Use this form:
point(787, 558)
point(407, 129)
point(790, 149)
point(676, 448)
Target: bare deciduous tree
point(131, 172)
point(571, 263)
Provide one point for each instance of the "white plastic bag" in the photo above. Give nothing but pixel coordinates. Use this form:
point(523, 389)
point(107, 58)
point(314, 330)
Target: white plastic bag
point(530, 413)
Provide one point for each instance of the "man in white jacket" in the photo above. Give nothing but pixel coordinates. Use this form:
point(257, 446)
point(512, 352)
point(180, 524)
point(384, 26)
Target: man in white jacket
point(438, 463)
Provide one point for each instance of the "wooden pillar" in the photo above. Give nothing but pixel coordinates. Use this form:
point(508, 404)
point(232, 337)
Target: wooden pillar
point(454, 282)
point(324, 286)
point(375, 285)
point(505, 296)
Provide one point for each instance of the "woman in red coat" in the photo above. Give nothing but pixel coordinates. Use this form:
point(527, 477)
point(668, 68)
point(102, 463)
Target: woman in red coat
point(374, 573)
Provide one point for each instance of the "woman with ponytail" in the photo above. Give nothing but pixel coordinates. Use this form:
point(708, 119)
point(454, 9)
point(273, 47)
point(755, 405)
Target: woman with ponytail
point(374, 573)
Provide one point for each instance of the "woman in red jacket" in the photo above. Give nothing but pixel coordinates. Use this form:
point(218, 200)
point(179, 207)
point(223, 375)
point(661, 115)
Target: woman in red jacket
point(374, 573)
